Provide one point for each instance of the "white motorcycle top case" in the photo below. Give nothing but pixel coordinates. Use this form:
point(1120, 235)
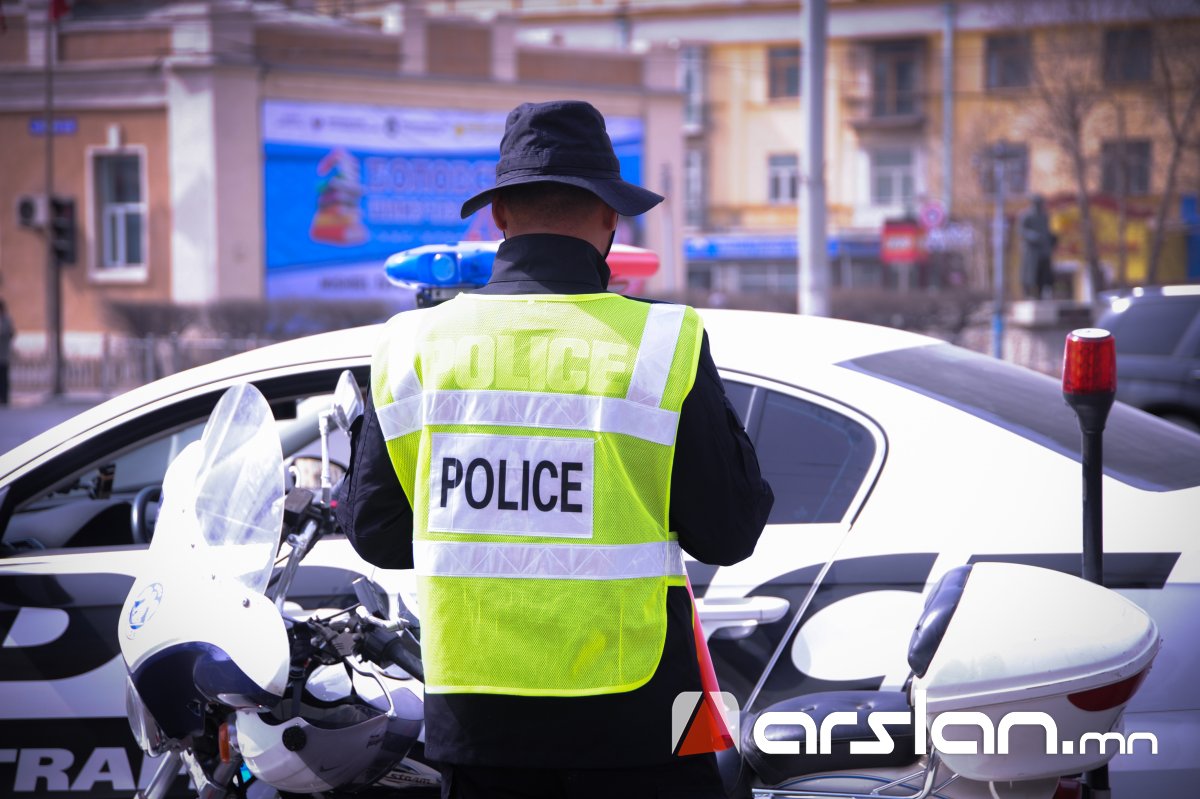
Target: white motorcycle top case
point(1024, 639)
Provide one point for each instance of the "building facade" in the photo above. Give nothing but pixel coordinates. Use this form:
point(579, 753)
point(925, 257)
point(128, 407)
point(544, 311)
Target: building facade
point(223, 150)
point(917, 92)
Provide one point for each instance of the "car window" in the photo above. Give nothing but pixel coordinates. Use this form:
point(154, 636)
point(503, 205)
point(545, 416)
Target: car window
point(1138, 449)
point(739, 395)
point(814, 458)
point(1151, 325)
point(146, 465)
point(94, 506)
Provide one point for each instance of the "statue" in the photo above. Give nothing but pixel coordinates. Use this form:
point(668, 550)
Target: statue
point(1038, 242)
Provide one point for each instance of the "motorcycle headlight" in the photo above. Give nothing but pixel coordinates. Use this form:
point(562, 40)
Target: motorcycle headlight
point(146, 732)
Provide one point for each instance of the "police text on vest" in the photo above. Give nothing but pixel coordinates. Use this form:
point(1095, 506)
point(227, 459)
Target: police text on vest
point(511, 485)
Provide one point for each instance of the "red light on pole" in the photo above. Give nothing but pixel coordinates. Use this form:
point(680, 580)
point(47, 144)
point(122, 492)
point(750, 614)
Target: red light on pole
point(1089, 387)
point(1089, 363)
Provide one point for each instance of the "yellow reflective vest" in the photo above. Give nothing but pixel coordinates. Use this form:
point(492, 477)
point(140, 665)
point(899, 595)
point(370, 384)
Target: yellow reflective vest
point(534, 436)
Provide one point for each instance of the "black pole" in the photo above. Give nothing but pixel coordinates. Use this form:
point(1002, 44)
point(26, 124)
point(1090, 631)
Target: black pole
point(1091, 406)
point(1096, 780)
point(1093, 518)
point(1092, 410)
point(53, 279)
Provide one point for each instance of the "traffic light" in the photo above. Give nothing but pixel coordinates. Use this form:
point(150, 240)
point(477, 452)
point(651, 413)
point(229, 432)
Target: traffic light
point(62, 228)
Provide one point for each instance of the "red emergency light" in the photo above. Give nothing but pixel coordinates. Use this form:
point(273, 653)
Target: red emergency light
point(630, 266)
point(1089, 363)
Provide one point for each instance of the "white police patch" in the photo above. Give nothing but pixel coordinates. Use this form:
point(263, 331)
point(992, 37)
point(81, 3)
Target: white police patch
point(511, 485)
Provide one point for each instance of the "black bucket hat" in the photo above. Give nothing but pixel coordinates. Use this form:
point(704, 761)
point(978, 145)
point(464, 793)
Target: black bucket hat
point(563, 141)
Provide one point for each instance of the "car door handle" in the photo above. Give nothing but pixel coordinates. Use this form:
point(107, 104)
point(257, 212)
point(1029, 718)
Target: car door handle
point(753, 609)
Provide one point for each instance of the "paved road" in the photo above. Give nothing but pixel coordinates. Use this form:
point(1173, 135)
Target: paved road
point(32, 414)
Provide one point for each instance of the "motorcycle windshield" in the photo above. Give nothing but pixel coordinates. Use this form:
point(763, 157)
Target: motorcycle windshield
point(222, 507)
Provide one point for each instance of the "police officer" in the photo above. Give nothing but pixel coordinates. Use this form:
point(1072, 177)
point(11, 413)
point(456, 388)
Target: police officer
point(541, 451)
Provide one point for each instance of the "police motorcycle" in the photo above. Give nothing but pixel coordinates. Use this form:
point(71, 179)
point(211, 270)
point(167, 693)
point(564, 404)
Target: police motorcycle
point(245, 692)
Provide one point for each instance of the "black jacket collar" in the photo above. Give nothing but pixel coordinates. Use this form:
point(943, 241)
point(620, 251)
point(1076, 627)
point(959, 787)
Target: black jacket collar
point(547, 263)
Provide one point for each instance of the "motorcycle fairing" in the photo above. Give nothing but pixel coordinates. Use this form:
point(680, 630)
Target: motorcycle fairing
point(175, 682)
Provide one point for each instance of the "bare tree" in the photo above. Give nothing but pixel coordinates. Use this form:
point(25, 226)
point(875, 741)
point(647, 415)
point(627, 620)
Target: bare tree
point(1066, 77)
point(1177, 90)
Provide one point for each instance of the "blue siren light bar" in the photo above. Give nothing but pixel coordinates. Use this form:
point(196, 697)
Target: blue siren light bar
point(467, 264)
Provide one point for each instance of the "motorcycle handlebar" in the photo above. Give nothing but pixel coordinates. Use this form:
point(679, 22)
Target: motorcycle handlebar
point(384, 648)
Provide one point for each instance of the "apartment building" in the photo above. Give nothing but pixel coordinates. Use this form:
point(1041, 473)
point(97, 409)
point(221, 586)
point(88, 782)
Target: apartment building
point(918, 93)
point(222, 150)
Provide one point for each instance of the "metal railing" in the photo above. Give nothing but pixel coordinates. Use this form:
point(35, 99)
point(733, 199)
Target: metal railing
point(124, 363)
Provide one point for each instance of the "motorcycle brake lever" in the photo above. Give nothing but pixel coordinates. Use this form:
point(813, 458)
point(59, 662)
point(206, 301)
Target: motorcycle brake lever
point(391, 626)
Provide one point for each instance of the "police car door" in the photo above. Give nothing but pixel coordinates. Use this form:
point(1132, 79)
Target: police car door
point(821, 458)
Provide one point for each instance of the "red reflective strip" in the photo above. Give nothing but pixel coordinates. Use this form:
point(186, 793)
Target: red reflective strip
point(223, 743)
point(1106, 697)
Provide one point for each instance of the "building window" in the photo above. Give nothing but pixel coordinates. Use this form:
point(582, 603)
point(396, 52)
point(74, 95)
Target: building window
point(894, 78)
point(692, 80)
point(120, 210)
point(892, 177)
point(783, 179)
point(1016, 171)
point(693, 190)
point(1125, 167)
point(783, 67)
point(1008, 59)
point(1128, 55)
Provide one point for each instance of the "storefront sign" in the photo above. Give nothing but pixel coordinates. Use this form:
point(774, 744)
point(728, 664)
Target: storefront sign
point(903, 243)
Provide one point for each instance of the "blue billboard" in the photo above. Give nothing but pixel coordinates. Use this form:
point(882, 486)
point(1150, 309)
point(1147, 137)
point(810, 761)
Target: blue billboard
point(345, 186)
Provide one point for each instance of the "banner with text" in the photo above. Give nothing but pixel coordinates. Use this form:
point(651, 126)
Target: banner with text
point(345, 186)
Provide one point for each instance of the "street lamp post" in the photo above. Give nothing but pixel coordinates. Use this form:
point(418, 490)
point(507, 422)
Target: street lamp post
point(813, 293)
point(997, 160)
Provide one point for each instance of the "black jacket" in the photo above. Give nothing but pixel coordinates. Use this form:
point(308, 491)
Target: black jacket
point(719, 505)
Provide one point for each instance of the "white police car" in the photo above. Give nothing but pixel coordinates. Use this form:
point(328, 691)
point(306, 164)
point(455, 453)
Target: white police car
point(893, 457)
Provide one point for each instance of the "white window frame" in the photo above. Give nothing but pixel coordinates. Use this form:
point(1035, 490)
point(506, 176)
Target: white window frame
point(692, 82)
point(694, 178)
point(784, 176)
point(895, 173)
point(99, 216)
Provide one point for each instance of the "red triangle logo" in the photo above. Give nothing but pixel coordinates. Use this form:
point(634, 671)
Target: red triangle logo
point(707, 732)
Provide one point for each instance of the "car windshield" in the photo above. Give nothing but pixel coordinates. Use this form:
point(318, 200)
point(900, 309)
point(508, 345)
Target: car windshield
point(1139, 450)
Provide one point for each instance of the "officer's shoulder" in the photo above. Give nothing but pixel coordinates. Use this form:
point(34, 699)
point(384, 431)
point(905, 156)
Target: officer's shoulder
point(407, 320)
point(687, 308)
point(653, 301)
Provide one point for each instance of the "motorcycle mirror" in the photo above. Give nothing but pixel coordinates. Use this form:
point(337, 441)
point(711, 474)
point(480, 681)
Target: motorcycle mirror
point(347, 401)
point(371, 597)
point(304, 471)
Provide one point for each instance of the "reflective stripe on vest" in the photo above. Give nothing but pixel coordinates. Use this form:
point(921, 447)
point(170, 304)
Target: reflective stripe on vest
point(636, 415)
point(528, 409)
point(535, 438)
point(548, 561)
